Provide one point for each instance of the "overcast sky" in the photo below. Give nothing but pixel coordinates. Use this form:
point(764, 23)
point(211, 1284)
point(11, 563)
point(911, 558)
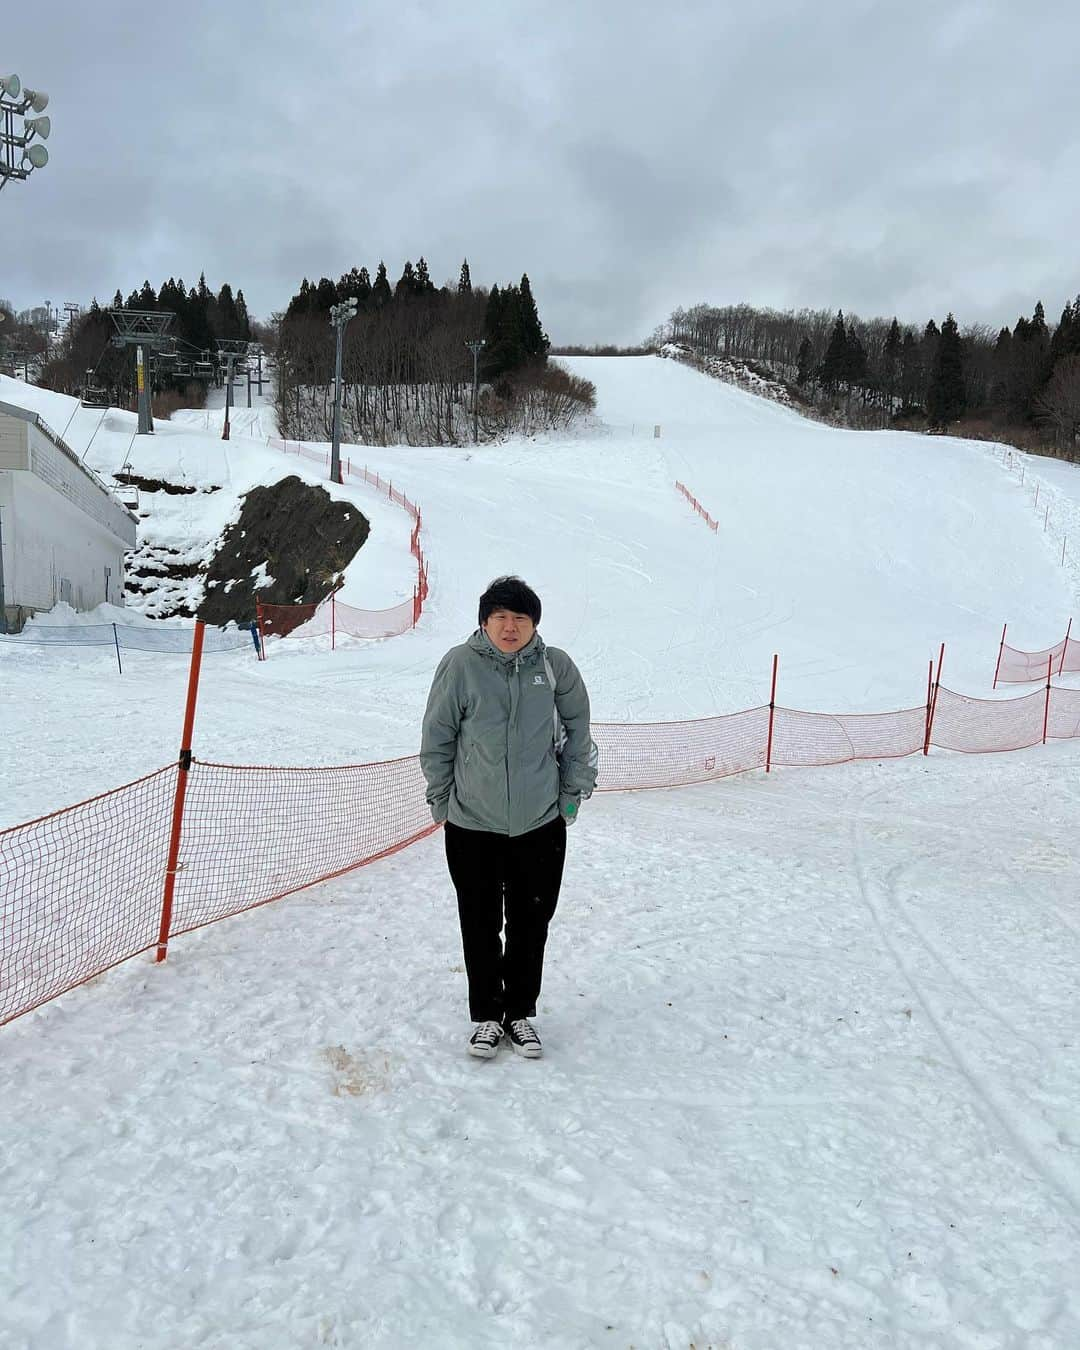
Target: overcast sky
point(906, 158)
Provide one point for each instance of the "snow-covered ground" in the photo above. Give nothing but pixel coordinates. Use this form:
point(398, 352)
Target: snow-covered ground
point(811, 1075)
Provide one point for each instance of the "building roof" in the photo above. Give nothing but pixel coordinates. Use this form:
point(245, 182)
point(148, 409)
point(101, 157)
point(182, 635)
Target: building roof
point(25, 415)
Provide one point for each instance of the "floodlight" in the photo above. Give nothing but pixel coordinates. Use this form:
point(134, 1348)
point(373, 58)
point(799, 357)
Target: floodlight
point(10, 85)
point(37, 155)
point(39, 99)
point(37, 126)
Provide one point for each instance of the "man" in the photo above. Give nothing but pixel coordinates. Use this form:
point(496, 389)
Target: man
point(508, 759)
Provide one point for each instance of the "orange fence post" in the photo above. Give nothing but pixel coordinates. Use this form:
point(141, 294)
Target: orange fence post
point(1065, 647)
point(772, 714)
point(933, 702)
point(1046, 710)
point(183, 766)
point(1001, 648)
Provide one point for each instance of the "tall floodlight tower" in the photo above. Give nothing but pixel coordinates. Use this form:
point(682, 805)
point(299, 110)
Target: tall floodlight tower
point(339, 317)
point(476, 347)
point(21, 151)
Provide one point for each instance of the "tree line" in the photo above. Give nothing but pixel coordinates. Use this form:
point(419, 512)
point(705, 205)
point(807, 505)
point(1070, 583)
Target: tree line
point(1021, 383)
point(87, 356)
point(407, 363)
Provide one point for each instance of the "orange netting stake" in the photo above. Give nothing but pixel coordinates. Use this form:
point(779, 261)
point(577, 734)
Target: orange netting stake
point(933, 702)
point(1046, 711)
point(181, 790)
point(1001, 648)
point(772, 715)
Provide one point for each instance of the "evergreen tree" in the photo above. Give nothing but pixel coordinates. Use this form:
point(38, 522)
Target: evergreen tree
point(199, 332)
point(928, 355)
point(380, 290)
point(118, 300)
point(503, 337)
point(910, 369)
point(243, 319)
point(464, 285)
point(325, 297)
point(854, 369)
point(831, 372)
point(228, 323)
point(534, 340)
point(406, 286)
point(363, 289)
point(1061, 342)
point(947, 396)
point(424, 284)
point(890, 354)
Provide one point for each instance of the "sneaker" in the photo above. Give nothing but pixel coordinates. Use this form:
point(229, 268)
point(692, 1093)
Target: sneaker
point(524, 1039)
point(484, 1042)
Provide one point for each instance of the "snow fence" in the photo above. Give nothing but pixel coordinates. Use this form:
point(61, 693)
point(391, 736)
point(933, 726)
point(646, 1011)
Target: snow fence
point(331, 617)
point(1018, 667)
point(90, 886)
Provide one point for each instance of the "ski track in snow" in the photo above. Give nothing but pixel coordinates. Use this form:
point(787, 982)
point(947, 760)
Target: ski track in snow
point(811, 1078)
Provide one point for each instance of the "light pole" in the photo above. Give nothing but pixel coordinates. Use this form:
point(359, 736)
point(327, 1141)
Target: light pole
point(476, 347)
point(20, 151)
point(339, 317)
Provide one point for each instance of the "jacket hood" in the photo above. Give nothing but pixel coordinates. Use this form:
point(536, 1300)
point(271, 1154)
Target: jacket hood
point(481, 643)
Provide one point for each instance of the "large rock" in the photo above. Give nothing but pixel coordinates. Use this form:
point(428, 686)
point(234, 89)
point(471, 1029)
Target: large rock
point(304, 538)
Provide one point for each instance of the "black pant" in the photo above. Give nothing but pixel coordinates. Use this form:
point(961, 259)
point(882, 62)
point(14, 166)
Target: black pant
point(523, 874)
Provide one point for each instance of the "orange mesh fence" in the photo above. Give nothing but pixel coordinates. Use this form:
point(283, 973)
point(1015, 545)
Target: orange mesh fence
point(80, 890)
point(807, 738)
point(332, 617)
point(673, 754)
point(1063, 722)
point(1019, 667)
point(979, 725)
point(712, 524)
point(252, 835)
point(281, 620)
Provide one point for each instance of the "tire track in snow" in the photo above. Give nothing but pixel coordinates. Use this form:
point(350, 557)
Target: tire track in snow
point(1015, 1126)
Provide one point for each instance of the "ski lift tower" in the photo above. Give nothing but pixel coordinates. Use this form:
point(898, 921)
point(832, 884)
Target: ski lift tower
point(233, 352)
point(146, 330)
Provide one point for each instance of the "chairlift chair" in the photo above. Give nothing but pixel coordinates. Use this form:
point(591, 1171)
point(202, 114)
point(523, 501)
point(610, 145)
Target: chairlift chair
point(93, 395)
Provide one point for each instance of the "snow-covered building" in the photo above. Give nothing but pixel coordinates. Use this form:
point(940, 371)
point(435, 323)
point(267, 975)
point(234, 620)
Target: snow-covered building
point(64, 534)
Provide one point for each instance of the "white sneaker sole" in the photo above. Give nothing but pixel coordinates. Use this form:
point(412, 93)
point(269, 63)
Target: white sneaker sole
point(528, 1051)
point(483, 1051)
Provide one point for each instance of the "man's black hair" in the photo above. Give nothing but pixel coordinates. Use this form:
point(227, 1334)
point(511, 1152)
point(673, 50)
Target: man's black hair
point(509, 593)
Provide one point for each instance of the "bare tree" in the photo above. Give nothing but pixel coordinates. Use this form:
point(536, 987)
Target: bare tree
point(1058, 405)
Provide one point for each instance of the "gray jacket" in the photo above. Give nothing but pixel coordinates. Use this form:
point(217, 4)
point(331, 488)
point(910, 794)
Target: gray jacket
point(488, 747)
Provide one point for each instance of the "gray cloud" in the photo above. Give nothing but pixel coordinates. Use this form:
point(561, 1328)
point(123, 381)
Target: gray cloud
point(631, 157)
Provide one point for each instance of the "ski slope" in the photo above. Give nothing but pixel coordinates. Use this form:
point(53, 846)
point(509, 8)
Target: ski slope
point(851, 555)
point(811, 1075)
